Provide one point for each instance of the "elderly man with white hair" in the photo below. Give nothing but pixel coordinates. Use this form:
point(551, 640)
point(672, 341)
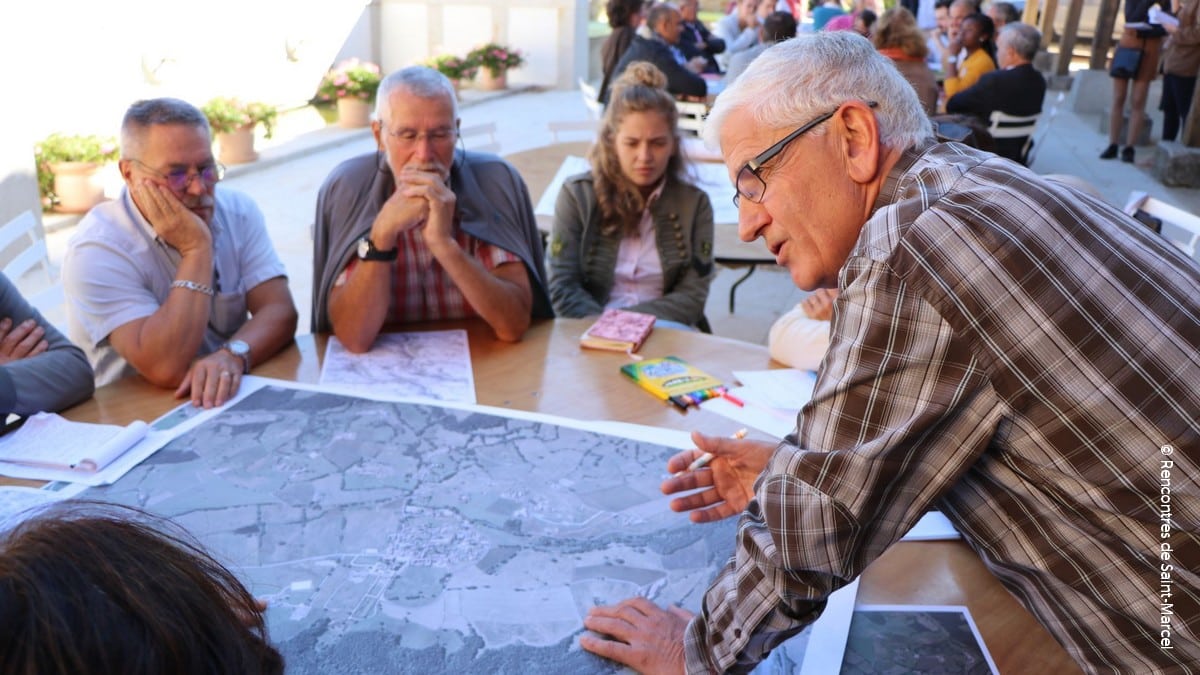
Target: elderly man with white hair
point(1004, 348)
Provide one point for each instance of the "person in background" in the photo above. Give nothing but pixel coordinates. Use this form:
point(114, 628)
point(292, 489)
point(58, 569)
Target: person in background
point(661, 49)
point(823, 13)
point(800, 338)
point(739, 29)
point(976, 38)
point(898, 38)
point(40, 369)
point(176, 280)
point(1136, 89)
point(1002, 14)
point(777, 27)
point(696, 40)
point(91, 589)
point(624, 16)
point(864, 23)
point(1181, 62)
point(1008, 349)
point(418, 231)
point(633, 233)
point(1016, 88)
point(847, 21)
point(939, 35)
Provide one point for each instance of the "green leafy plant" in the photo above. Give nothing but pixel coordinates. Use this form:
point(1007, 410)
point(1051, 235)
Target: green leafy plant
point(453, 67)
point(350, 79)
point(57, 148)
point(229, 114)
point(496, 58)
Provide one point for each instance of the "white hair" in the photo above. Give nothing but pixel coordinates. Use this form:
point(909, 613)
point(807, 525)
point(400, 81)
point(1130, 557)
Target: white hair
point(798, 79)
point(420, 81)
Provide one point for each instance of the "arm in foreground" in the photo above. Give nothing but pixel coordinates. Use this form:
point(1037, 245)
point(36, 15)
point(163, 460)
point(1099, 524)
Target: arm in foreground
point(40, 369)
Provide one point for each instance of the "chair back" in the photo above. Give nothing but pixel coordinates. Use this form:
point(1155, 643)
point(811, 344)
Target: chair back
point(1003, 125)
point(29, 268)
point(591, 99)
point(691, 116)
point(469, 133)
point(1178, 226)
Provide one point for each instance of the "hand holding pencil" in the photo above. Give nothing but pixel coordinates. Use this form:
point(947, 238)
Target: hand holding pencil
point(724, 484)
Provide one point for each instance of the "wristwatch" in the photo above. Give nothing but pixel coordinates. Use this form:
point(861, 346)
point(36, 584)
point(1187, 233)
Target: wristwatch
point(241, 350)
point(367, 251)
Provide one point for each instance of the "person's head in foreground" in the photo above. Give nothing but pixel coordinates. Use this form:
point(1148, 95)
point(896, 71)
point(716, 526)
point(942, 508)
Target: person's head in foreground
point(416, 120)
point(638, 145)
point(807, 145)
point(98, 588)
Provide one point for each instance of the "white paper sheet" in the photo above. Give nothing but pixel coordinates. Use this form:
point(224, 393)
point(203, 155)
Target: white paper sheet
point(149, 444)
point(50, 440)
point(17, 502)
point(432, 365)
point(784, 388)
point(778, 422)
point(932, 526)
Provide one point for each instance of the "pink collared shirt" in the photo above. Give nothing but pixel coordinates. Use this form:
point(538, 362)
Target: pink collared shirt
point(638, 276)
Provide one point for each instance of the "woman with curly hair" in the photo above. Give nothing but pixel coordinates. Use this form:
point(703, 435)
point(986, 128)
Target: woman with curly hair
point(897, 37)
point(633, 233)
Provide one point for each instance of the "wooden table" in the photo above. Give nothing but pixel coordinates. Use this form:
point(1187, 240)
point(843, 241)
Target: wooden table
point(548, 372)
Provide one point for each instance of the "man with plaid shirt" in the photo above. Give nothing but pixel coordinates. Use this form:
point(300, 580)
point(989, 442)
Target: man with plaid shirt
point(422, 232)
point(1005, 348)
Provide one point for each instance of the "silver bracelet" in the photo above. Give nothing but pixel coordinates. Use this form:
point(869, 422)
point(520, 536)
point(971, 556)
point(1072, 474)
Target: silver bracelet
point(193, 286)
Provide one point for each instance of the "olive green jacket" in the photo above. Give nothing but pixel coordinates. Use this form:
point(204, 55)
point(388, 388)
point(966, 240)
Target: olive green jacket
point(582, 260)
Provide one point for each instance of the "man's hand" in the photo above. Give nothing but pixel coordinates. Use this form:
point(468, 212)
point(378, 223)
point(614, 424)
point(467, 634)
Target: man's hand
point(430, 188)
point(819, 305)
point(172, 221)
point(400, 213)
point(727, 480)
point(645, 637)
point(20, 341)
point(697, 64)
point(212, 380)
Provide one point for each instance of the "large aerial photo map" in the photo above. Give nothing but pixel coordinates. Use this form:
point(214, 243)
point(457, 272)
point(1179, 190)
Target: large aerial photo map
point(409, 538)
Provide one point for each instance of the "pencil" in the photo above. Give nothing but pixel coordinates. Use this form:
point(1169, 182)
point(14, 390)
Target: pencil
point(703, 460)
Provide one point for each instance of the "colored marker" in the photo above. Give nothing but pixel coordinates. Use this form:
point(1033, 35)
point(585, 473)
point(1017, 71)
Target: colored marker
point(733, 399)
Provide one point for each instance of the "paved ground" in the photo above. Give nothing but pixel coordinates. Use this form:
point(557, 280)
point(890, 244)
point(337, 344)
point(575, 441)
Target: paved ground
point(285, 182)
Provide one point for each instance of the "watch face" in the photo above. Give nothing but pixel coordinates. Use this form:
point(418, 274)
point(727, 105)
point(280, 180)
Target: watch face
point(239, 347)
point(364, 248)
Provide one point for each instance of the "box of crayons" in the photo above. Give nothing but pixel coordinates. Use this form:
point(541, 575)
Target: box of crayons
point(672, 379)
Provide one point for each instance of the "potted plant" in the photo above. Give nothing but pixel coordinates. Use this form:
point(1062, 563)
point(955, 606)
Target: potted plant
point(68, 168)
point(233, 123)
point(494, 62)
point(352, 83)
point(455, 68)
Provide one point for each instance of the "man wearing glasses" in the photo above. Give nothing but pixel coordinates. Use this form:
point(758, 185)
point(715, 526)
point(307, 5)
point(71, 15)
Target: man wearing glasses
point(175, 280)
point(1004, 348)
point(420, 231)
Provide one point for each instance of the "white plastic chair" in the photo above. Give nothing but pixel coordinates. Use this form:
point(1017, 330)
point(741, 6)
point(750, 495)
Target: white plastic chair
point(1179, 227)
point(691, 116)
point(487, 128)
point(1004, 125)
point(591, 98)
point(29, 268)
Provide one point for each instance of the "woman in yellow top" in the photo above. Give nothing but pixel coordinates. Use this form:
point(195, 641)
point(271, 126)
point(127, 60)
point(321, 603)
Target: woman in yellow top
point(977, 37)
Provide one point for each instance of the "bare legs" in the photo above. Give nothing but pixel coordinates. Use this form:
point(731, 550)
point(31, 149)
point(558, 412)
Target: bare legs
point(1137, 117)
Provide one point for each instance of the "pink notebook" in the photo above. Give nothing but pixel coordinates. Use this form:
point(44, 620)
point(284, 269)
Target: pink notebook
point(618, 330)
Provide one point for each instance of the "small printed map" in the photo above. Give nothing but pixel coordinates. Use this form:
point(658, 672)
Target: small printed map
point(402, 538)
point(428, 364)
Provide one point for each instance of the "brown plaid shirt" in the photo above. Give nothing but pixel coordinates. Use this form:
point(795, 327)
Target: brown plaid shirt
point(1018, 355)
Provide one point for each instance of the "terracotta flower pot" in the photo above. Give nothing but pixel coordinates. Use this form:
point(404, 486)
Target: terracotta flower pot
point(353, 112)
point(237, 147)
point(77, 185)
point(490, 82)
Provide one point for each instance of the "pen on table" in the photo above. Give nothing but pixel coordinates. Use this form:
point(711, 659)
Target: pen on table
point(701, 461)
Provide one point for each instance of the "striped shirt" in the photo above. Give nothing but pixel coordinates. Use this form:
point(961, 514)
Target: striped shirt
point(422, 290)
point(1022, 357)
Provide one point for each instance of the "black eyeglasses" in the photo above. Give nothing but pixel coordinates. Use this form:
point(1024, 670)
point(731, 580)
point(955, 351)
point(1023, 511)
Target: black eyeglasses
point(753, 186)
point(180, 180)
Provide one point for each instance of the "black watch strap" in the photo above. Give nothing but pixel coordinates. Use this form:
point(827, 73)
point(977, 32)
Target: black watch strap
point(367, 251)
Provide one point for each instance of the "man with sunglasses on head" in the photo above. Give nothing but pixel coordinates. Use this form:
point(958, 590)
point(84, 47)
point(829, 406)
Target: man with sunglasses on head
point(421, 230)
point(1004, 348)
point(175, 279)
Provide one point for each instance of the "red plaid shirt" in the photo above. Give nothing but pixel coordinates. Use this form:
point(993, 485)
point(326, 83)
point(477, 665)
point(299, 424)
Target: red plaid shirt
point(421, 289)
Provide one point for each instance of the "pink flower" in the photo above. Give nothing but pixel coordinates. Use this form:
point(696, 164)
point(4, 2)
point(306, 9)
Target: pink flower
point(341, 93)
